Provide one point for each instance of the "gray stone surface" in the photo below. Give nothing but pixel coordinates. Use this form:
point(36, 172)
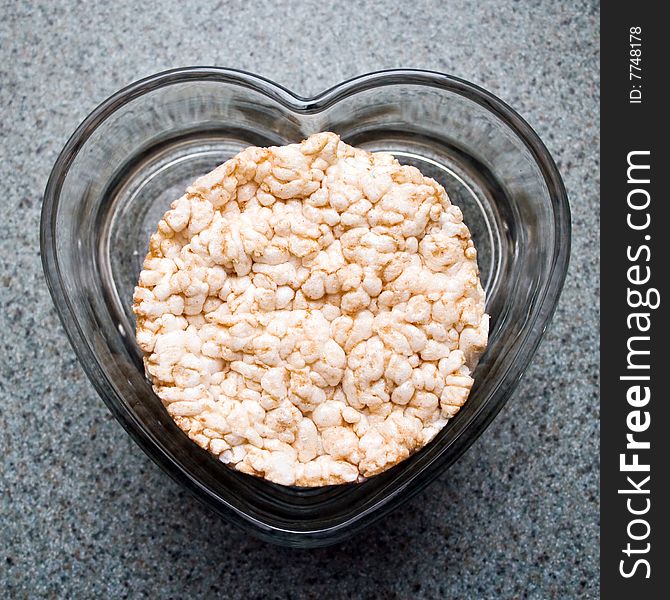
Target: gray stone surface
point(84, 513)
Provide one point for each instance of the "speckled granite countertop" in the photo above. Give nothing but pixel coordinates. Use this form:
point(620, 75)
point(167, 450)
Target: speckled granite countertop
point(83, 512)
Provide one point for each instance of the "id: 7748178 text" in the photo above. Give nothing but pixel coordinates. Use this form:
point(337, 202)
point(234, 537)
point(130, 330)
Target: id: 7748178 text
point(635, 65)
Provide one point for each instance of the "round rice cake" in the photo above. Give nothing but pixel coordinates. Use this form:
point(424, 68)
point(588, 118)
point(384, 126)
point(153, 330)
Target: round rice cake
point(311, 313)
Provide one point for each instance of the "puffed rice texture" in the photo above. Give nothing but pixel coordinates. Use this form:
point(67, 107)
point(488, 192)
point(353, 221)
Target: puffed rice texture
point(311, 313)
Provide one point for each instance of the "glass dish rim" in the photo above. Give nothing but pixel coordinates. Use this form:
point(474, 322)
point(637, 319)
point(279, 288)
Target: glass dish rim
point(305, 105)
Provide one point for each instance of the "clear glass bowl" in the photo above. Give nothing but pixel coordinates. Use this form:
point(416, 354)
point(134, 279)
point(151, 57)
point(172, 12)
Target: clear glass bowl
point(139, 150)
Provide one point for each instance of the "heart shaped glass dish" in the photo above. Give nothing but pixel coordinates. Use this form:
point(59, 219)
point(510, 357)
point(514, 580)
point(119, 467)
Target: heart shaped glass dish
point(139, 150)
